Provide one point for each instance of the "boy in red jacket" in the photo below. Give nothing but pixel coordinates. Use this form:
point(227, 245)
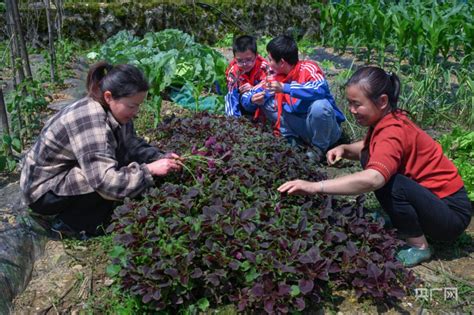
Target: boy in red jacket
point(298, 101)
point(246, 70)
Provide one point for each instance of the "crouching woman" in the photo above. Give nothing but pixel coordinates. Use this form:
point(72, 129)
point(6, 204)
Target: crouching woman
point(417, 186)
point(88, 156)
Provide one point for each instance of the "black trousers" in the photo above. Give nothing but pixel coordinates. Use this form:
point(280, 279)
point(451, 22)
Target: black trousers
point(90, 212)
point(415, 210)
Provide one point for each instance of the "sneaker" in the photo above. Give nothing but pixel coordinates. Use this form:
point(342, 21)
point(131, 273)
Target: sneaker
point(412, 256)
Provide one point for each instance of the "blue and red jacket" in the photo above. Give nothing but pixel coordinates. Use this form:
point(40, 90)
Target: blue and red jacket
point(235, 79)
point(301, 87)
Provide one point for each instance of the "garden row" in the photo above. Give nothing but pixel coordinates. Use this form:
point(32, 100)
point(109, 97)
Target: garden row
point(176, 65)
point(418, 31)
point(220, 234)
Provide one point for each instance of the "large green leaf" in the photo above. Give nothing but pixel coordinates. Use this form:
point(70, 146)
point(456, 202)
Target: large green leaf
point(169, 58)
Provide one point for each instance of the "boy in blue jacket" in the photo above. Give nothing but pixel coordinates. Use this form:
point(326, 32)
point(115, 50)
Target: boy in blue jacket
point(298, 101)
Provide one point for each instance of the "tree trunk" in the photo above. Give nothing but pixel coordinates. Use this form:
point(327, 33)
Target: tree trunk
point(17, 64)
point(52, 52)
point(21, 38)
point(3, 115)
point(17, 61)
point(4, 119)
point(12, 53)
point(59, 17)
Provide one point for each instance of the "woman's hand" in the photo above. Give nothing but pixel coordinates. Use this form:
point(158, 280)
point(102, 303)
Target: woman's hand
point(299, 187)
point(171, 155)
point(170, 163)
point(335, 155)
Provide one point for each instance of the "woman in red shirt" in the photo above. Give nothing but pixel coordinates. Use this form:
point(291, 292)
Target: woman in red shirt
point(418, 187)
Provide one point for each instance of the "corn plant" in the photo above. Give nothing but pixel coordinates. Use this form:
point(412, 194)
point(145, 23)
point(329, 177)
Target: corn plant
point(383, 33)
point(336, 24)
point(326, 13)
point(374, 27)
point(401, 28)
point(441, 28)
point(416, 42)
point(420, 31)
point(468, 36)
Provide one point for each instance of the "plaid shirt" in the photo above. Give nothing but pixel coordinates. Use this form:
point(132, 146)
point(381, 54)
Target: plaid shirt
point(83, 149)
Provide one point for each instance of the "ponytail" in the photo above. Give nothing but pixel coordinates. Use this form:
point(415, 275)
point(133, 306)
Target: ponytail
point(374, 81)
point(95, 76)
point(121, 81)
point(394, 90)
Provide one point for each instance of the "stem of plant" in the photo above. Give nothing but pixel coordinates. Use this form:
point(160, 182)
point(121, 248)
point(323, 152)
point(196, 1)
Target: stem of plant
point(190, 172)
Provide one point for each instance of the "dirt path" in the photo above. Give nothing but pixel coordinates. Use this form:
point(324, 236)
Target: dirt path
point(68, 275)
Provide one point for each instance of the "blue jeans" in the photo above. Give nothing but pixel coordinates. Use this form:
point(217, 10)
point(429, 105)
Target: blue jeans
point(317, 127)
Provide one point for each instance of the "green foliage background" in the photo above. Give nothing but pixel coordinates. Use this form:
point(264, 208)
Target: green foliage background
point(459, 146)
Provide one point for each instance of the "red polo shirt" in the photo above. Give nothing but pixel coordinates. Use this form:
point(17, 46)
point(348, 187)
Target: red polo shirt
point(397, 145)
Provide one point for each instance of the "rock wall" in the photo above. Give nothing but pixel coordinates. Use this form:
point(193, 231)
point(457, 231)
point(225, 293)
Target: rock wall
point(208, 21)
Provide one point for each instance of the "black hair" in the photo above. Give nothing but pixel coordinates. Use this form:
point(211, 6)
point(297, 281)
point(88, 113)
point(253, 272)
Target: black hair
point(244, 43)
point(121, 80)
point(374, 81)
point(283, 47)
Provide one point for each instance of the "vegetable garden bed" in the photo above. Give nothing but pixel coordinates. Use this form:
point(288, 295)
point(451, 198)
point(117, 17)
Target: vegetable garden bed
point(220, 233)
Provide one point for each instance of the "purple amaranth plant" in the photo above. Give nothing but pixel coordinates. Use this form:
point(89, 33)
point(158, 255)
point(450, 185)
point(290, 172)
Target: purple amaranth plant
point(229, 237)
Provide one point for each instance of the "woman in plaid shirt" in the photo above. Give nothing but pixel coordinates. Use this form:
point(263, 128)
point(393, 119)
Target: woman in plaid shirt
point(88, 156)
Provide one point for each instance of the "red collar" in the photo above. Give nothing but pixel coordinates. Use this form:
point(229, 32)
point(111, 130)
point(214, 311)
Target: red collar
point(291, 76)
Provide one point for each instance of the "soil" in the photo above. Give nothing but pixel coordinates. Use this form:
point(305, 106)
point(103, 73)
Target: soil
point(64, 279)
point(70, 277)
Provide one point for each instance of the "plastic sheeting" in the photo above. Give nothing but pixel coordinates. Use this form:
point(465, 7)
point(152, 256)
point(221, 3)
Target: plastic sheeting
point(185, 98)
point(22, 241)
